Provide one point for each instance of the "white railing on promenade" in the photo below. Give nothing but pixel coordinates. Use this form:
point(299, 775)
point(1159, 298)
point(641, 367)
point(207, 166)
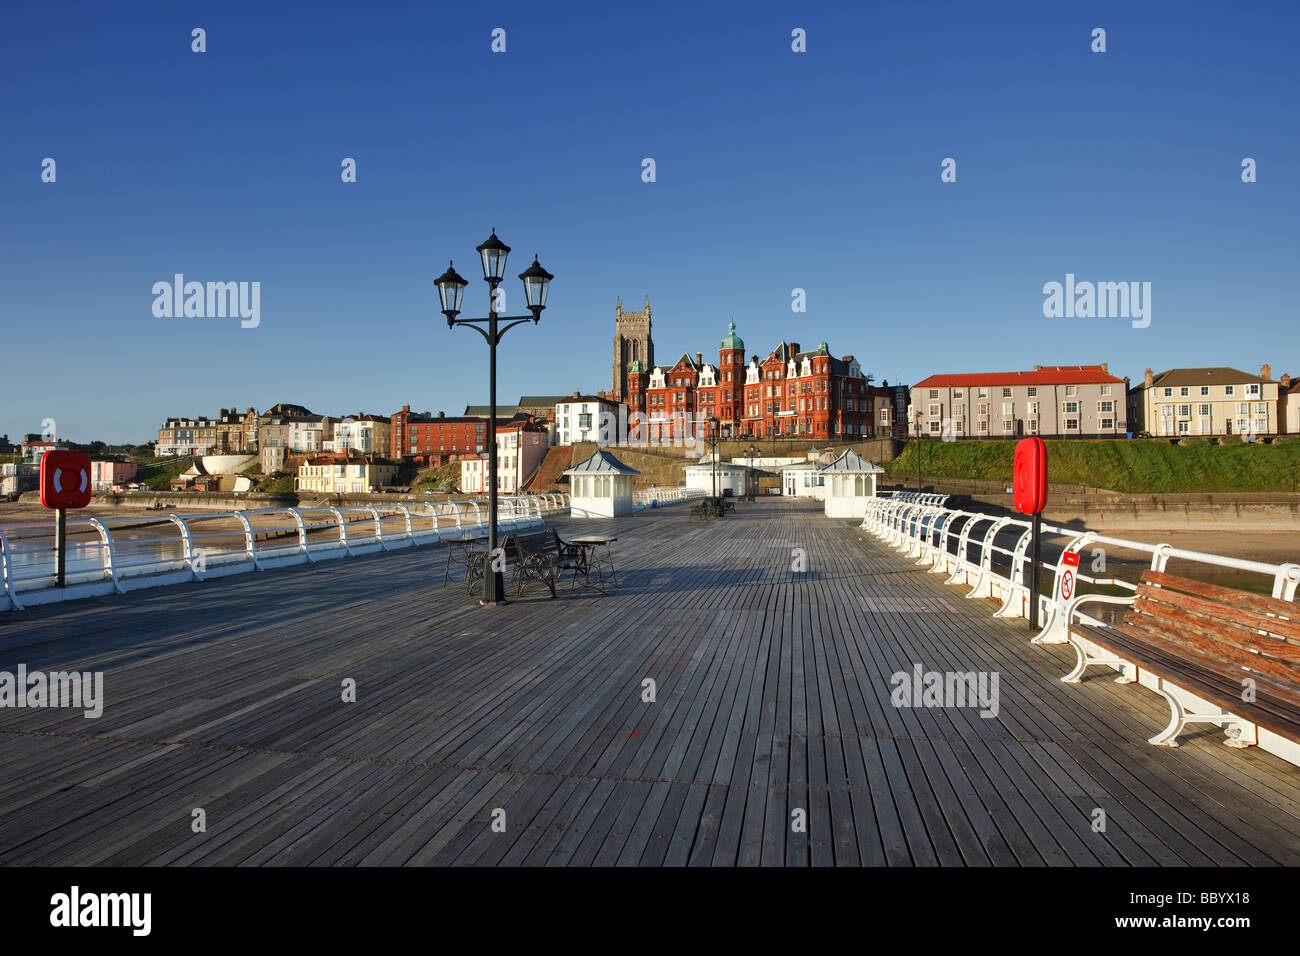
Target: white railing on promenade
point(964, 546)
point(659, 497)
point(113, 555)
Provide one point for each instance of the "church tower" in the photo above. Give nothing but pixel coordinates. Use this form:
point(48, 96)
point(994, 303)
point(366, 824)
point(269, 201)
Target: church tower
point(632, 343)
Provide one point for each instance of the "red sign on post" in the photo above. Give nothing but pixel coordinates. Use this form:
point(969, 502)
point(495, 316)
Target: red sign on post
point(1029, 483)
point(65, 479)
point(1071, 561)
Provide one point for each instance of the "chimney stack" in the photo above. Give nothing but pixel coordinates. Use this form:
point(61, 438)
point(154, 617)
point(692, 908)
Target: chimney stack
point(699, 358)
point(1266, 372)
point(1105, 368)
point(1147, 378)
point(1286, 380)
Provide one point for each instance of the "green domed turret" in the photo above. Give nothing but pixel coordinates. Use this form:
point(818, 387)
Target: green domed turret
point(636, 368)
point(732, 340)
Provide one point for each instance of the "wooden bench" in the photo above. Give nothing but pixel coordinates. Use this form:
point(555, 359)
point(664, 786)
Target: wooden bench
point(1236, 650)
point(536, 555)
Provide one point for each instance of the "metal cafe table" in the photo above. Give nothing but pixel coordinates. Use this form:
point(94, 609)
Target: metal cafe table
point(468, 556)
point(598, 557)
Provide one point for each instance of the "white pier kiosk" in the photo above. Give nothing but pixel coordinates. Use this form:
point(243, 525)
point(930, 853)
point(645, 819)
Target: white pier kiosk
point(600, 487)
point(850, 483)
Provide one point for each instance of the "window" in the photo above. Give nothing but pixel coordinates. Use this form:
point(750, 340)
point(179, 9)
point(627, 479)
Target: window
point(934, 426)
point(1070, 391)
point(1184, 428)
point(982, 393)
point(1008, 424)
point(1203, 409)
point(1205, 390)
point(958, 393)
point(1252, 389)
point(984, 426)
point(1106, 406)
point(1229, 389)
point(934, 393)
point(1105, 390)
point(934, 408)
point(1169, 393)
point(1033, 408)
point(1070, 408)
point(1261, 408)
point(1072, 424)
point(1008, 408)
point(1243, 408)
point(1107, 424)
point(984, 408)
point(1033, 426)
point(959, 409)
point(1033, 392)
point(1166, 411)
point(1006, 393)
point(1184, 411)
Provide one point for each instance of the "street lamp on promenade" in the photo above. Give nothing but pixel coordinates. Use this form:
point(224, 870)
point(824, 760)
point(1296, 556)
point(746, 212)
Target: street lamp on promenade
point(714, 438)
point(451, 288)
point(753, 453)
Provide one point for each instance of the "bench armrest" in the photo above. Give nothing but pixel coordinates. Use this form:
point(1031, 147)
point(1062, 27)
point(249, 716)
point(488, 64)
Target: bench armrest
point(1071, 607)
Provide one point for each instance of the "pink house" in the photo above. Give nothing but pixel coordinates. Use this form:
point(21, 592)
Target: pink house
point(105, 474)
point(521, 446)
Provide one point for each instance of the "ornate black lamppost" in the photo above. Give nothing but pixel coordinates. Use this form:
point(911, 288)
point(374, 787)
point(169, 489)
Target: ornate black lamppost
point(753, 453)
point(450, 289)
point(714, 438)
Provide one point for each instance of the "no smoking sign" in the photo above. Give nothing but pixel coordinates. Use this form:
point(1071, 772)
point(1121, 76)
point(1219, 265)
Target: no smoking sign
point(1071, 560)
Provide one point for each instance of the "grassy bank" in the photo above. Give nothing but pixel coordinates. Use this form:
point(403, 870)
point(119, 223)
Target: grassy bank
point(1148, 466)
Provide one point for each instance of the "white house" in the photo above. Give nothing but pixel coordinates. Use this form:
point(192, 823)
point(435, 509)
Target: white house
point(850, 483)
point(521, 446)
point(589, 418)
point(601, 487)
point(801, 480)
point(731, 477)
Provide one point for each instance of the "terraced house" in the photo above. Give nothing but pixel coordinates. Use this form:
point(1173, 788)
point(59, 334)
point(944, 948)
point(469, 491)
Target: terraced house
point(339, 474)
point(1221, 401)
point(791, 393)
point(1052, 401)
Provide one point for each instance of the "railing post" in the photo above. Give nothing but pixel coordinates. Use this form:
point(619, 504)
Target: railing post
point(379, 527)
point(187, 544)
point(1284, 582)
point(249, 544)
point(343, 531)
point(6, 573)
point(302, 535)
point(1015, 585)
point(110, 559)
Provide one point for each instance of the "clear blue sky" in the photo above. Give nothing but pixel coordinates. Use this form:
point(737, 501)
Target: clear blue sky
point(775, 170)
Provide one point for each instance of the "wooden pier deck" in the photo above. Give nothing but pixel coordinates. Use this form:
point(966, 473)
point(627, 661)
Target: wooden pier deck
point(772, 695)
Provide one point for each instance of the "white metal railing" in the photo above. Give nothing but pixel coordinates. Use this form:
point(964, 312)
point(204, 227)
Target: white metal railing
point(989, 555)
point(659, 497)
point(107, 555)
